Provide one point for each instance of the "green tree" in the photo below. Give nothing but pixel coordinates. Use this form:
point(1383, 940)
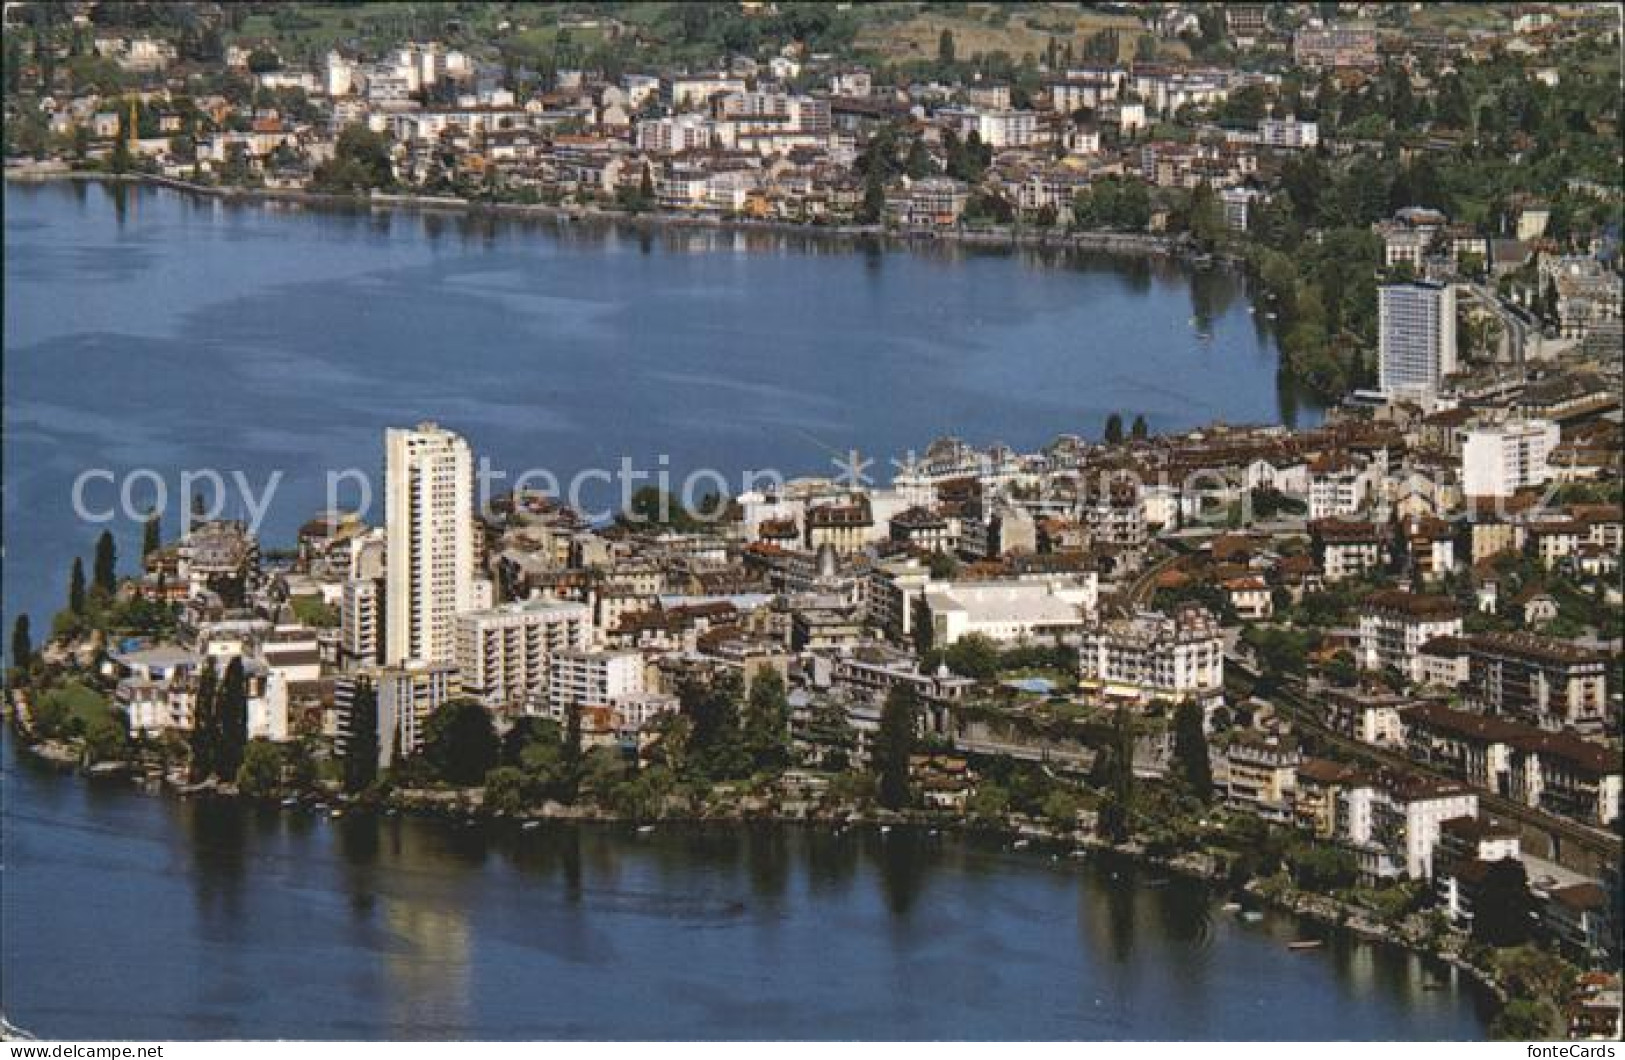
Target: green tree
point(507, 790)
point(360, 161)
point(233, 719)
point(263, 61)
point(461, 743)
point(989, 802)
point(1206, 217)
point(1061, 809)
point(872, 208)
point(105, 739)
point(118, 160)
point(717, 745)
point(205, 737)
point(1191, 751)
point(1115, 772)
point(76, 587)
point(361, 738)
point(261, 772)
point(1524, 1020)
point(1502, 911)
point(894, 744)
point(945, 48)
point(22, 646)
point(767, 721)
point(973, 655)
point(104, 580)
point(571, 757)
point(1141, 430)
point(1114, 429)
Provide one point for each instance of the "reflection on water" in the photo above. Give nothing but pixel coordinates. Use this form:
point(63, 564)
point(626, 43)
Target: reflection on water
point(245, 922)
point(427, 966)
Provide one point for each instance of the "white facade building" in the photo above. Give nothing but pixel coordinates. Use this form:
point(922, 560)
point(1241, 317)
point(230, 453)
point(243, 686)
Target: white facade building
point(1157, 655)
point(1009, 610)
point(505, 653)
point(593, 679)
point(1498, 460)
point(1416, 338)
point(1288, 133)
point(429, 513)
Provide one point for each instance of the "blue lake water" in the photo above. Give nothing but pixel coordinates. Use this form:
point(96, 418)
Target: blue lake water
point(148, 329)
point(145, 329)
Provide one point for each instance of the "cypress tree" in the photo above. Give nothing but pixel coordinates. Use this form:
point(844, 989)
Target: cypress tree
point(22, 647)
point(572, 751)
point(150, 535)
point(105, 574)
point(1190, 750)
point(1140, 430)
point(232, 717)
point(767, 721)
point(205, 725)
point(76, 587)
point(1118, 776)
point(361, 744)
point(1114, 429)
point(894, 743)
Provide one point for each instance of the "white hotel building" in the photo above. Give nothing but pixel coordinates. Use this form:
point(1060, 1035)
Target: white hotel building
point(1156, 656)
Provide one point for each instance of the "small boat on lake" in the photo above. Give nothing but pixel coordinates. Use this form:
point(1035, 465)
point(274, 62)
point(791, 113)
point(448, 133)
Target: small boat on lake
point(1252, 916)
point(1298, 945)
point(645, 829)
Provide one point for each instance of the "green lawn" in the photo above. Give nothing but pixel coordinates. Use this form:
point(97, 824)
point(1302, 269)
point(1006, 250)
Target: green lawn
point(313, 611)
point(76, 700)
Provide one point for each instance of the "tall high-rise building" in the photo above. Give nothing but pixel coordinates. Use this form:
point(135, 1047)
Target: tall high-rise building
point(1416, 337)
point(429, 530)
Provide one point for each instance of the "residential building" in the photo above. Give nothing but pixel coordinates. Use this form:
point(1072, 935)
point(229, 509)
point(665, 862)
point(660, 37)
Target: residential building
point(1260, 775)
point(1393, 822)
point(1499, 459)
point(406, 695)
point(1547, 682)
point(1347, 548)
point(505, 653)
point(1288, 133)
point(593, 679)
point(1394, 625)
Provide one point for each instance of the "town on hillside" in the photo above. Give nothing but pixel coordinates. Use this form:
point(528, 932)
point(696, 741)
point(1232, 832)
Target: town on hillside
point(1369, 671)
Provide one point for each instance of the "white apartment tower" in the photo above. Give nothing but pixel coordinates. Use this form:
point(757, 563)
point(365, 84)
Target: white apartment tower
point(428, 512)
point(1416, 337)
point(1498, 460)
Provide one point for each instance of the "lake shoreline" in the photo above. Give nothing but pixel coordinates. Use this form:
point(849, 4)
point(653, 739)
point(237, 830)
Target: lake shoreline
point(456, 805)
point(1122, 243)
